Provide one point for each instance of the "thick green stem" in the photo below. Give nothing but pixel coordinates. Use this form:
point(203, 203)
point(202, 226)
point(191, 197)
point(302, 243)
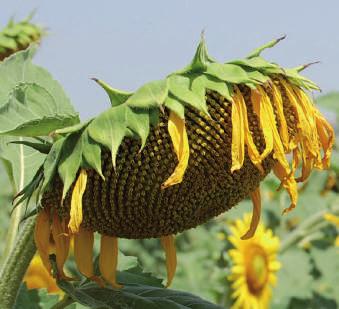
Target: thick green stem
point(313, 223)
point(16, 265)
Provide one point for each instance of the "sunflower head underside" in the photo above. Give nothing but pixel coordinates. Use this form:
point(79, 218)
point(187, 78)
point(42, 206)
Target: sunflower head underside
point(176, 153)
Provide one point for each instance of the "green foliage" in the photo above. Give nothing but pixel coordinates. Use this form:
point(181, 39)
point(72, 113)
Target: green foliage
point(32, 103)
point(141, 290)
point(34, 299)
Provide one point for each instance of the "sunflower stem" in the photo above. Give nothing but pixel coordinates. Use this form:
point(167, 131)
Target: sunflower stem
point(315, 222)
point(16, 265)
point(17, 212)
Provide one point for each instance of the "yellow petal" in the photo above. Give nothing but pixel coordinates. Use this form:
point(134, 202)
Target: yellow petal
point(108, 259)
point(259, 105)
point(256, 200)
point(76, 202)
point(42, 232)
point(240, 108)
point(289, 183)
point(238, 134)
point(326, 136)
point(278, 149)
point(283, 129)
point(177, 131)
point(61, 239)
point(83, 254)
point(171, 257)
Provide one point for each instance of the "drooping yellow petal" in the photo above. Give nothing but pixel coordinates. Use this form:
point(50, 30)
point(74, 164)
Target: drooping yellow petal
point(108, 259)
point(256, 201)
point(289, 183)
point(83, 254)
point(326, 136)
point(240, 108)
point(306, 127)
point(76, 202)
point(283, 129)
point(168, 244)
point(177, 131)
point(42, 232)
point(260, 109)
point(62, 240)
point(238, 134)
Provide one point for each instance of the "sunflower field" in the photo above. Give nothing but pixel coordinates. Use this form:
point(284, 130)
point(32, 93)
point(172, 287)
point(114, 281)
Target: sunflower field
point(214, 187)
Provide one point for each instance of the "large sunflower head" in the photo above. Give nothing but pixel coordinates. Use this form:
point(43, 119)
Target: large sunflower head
point(18, 36)
point(176, 153)
point(253, 273)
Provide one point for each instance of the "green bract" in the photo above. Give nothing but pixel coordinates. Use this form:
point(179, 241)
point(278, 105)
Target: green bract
point(133, 114)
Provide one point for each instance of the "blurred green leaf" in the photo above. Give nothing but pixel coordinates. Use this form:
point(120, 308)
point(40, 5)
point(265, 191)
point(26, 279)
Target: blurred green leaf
point(34, 298)
point(329, 101)
point(327, 262)
point(294, 279)
point(32, 103)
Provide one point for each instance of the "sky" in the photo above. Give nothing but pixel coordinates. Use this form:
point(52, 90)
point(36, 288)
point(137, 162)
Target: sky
point(128, 43)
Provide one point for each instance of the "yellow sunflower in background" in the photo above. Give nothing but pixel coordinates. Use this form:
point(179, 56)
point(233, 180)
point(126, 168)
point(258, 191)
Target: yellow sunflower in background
point(255, 264)
point(37, 277)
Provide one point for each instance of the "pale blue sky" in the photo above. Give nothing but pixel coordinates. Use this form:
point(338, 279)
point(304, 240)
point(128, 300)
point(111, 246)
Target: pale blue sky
point(128, 43)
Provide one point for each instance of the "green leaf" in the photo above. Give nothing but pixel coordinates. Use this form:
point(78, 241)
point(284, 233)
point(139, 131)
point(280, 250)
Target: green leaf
point(51, 163)
point(31, 101)
point(179, 87)
point(221, 87)
point(116, 96)
point(175, 105)
point(75, 128)
point(150, 95)
point(299, 80)
point(134, 296)
point(91, 153)
point(329, 101)
point(256, 52)
point(260, 64)
point(22, 162)
point(200, 60)
point(295, 272)
point(327, 262)
point(41, 147)
point(257, 77)
point(34, 298)
point(110, 128)
point(70, 160)
point(228, 72)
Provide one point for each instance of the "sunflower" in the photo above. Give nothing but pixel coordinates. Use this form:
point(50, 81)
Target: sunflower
point(37, 277)
point(253, 273)
point(174, 154)
point(18, 36)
